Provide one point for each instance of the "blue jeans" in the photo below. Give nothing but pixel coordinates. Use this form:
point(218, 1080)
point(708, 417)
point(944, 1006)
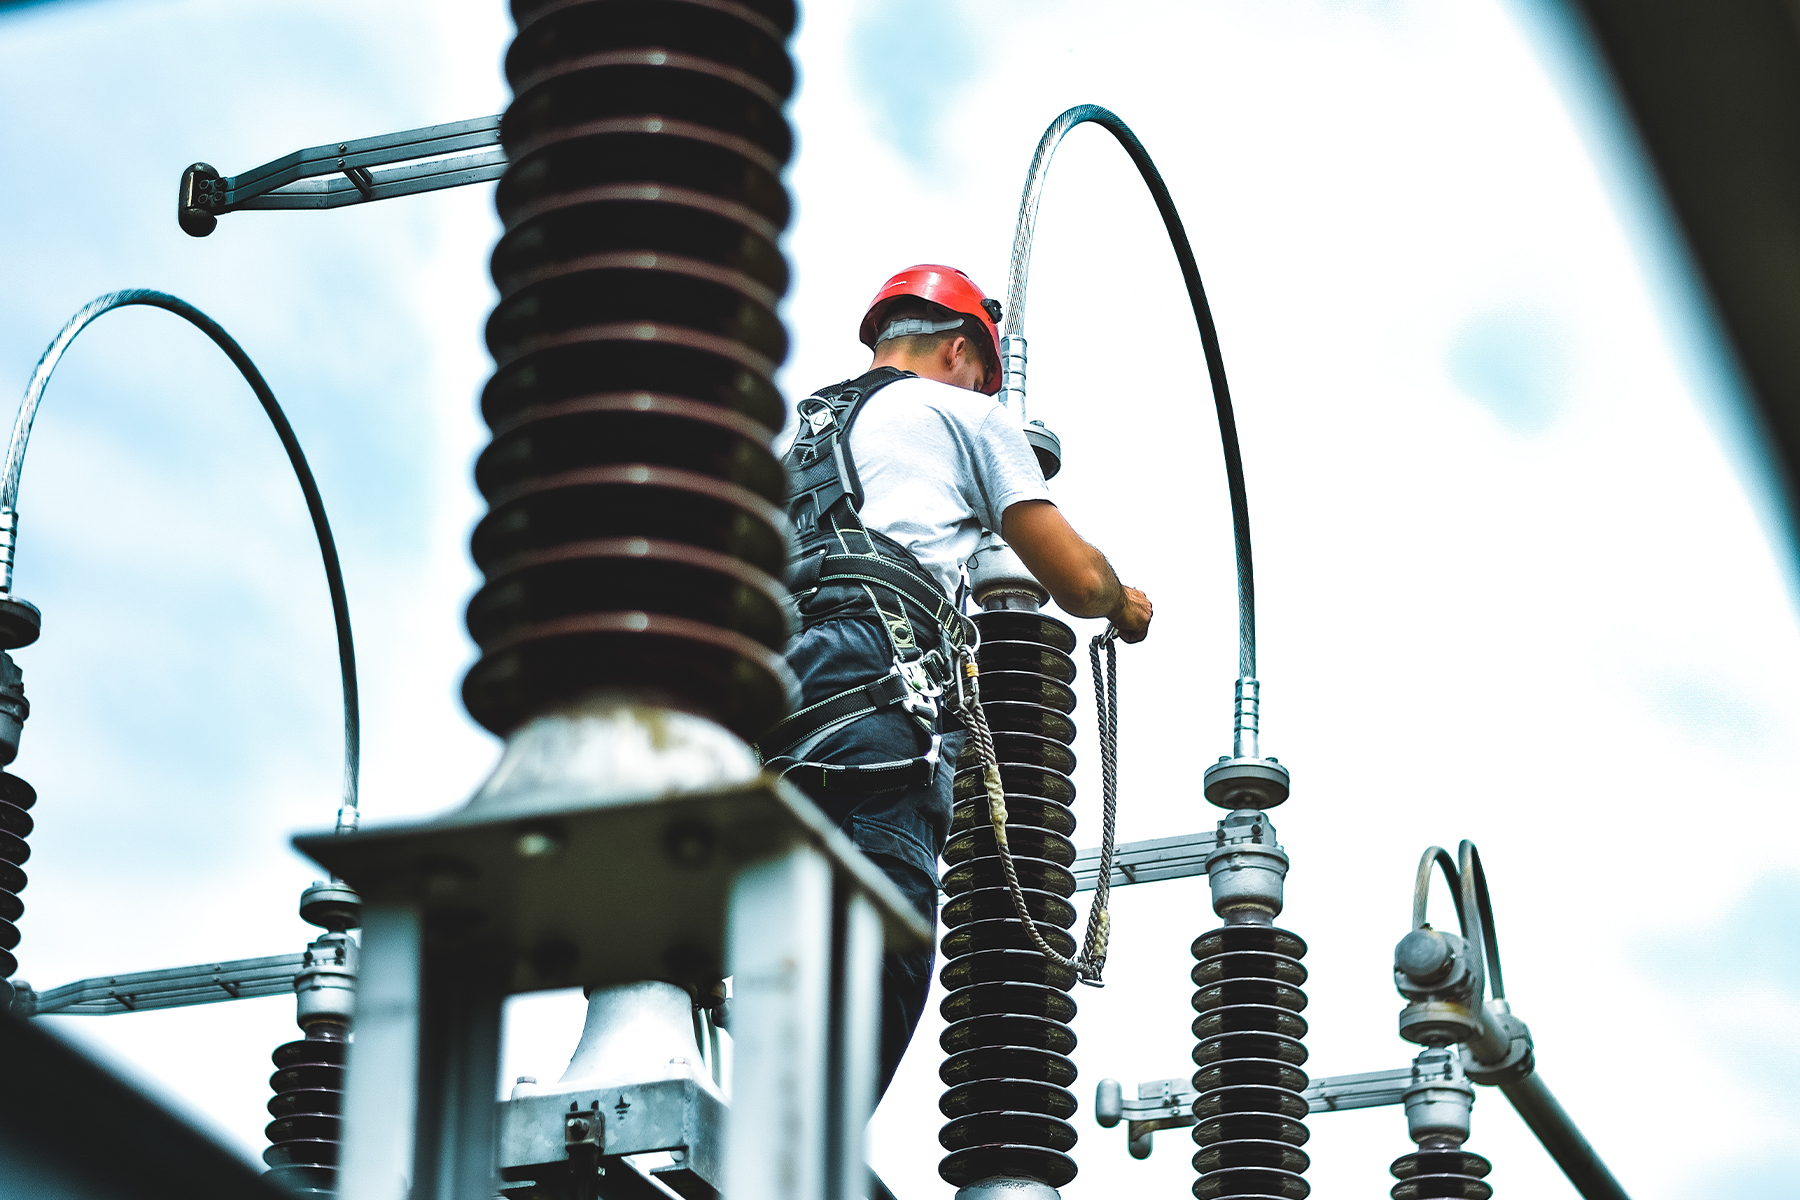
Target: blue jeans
point(902, 830)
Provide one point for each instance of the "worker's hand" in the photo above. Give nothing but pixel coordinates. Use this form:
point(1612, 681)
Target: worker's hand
point(1132, 617)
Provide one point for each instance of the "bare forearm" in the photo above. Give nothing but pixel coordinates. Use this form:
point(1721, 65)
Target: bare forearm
point(1075, 573)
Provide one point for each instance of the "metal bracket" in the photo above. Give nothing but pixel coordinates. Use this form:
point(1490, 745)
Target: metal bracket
point(1168, 1103)
point(1147, 862)
point(675, 1115)
point(176, 987)
point(334, 175)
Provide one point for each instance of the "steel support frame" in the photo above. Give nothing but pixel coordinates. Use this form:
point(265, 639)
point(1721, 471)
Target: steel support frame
point(804, 946)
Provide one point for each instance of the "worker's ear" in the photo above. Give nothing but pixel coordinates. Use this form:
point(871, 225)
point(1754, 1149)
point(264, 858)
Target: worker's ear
point(953, 350)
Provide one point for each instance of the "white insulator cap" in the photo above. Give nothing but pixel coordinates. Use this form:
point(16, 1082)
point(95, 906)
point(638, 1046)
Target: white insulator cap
point(997, 574)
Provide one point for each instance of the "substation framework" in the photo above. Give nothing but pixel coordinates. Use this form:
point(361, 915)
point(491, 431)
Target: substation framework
point(630, 627)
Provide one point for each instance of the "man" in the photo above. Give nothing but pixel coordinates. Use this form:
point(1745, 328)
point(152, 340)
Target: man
point(893, 477)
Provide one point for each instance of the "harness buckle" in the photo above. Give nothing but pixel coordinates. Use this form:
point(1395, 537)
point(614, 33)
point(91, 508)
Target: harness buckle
point(922, 688)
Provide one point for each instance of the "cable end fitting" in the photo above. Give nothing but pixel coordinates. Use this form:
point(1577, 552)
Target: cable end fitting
point(1246, 779)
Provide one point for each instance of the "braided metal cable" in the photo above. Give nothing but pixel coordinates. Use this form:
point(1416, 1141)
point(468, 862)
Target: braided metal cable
point(1091, 961)
point(1106, 707)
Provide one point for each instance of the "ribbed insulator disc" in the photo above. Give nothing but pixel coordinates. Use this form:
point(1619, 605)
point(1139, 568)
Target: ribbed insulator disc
point(978, 842)
point(1036, 873)
point(1008, 1062)
point(1020, 716)
point(965, 1167)
point(971, 812)
point(1000, 999)
point(1249, 1045)
point(1005, 966)
point(1008, 1029)
point(1003, 934)
point(1251, 1183)
point(1011, 626)
point(1278, 1155)
point(1025, 656)
point(1023, 778)
point(989, 1128)
point(995, 903)
point(1008, 1095)
point(1252, 1127)
point(1247, 964)
point(1026, 748)
point(1265, 1071)
point(1255, 992)
point(1026, 687)
point(1248, 937)
point(638, 427)
point(1246, 1018)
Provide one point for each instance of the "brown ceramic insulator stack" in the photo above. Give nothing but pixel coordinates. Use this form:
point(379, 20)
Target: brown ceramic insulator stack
point(1249, 1108)
point(633, 541)
point(1437, 1172)
point(1009, 1009)
point(309, 1095)
point(15, 826)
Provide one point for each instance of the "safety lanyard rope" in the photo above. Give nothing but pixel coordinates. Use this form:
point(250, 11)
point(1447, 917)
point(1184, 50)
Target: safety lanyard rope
point(1091, 960)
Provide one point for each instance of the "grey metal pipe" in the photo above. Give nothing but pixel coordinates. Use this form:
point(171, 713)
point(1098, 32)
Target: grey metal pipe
point(1557, 1132)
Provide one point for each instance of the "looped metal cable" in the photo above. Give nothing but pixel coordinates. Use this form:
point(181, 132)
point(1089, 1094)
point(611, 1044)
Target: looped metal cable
point(1474, 910)
point(1090, 962)
point(315, 505)
point(1439, 857)
point(1014, 326)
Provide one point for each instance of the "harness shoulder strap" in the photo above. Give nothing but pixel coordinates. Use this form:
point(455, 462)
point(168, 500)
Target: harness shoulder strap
point(822, 478)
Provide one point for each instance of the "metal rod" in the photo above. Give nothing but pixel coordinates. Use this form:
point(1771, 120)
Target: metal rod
point(348, 812)
point(1557, 1132)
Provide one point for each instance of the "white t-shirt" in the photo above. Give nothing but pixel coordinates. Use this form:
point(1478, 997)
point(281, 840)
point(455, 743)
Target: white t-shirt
point(939, 464)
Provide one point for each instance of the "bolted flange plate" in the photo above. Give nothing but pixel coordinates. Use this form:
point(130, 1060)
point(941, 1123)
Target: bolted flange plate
point(20, 622)
point(621, 891)
point(1234, 783)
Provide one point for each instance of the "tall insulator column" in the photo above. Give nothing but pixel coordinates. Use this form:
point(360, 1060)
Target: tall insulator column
point(15, 825)
point(16, 796)
point(1008, 1007)
point(1248, 1109)
point(309, 1074)
point(634, 542)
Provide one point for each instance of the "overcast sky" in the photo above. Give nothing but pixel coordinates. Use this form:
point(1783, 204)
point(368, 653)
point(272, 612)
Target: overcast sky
point(1515, 582)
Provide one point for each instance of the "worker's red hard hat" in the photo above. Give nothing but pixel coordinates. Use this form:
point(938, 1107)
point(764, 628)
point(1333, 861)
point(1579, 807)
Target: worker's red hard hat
point(955, 291)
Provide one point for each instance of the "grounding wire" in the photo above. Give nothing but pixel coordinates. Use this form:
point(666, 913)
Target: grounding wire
point(315, 505)
point(1014, 326)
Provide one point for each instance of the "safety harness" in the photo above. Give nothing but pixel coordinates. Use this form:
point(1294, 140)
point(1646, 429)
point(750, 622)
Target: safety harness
point(841, 568)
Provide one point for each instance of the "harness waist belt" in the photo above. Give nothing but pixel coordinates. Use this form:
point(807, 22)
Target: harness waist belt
point(889, 691)
point(883, 572)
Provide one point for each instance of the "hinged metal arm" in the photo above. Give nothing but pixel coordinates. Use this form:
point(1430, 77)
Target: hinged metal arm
point(334, 175)
point(176, 987)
